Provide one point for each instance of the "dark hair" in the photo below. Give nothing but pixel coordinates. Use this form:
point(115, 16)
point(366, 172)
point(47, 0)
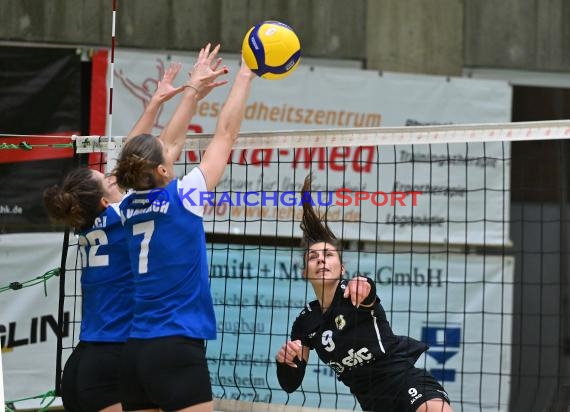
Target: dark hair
point(77, 201)
point(314, 229)
point(139, 157)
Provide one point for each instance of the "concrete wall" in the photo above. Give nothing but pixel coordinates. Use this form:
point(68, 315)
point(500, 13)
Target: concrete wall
point(327, 28)
point(518, 34)
point(419, 36)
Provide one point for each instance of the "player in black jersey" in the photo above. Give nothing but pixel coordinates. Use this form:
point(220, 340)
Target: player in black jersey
point(348, 329)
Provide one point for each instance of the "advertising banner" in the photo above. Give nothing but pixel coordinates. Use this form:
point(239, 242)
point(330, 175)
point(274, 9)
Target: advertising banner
point(458, 188)
point(458, 304)
point(28, 318)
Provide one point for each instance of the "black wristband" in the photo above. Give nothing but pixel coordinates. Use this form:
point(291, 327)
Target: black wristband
point(371, 298)
point(290, 378)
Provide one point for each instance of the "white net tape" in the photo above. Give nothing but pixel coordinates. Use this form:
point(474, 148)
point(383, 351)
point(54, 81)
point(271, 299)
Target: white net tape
point(509, 132)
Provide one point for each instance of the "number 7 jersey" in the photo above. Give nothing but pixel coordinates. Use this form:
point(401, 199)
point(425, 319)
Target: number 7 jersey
point(167, 249)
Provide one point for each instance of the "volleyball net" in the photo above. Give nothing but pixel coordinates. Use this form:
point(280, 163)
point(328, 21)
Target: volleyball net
point(463, 228)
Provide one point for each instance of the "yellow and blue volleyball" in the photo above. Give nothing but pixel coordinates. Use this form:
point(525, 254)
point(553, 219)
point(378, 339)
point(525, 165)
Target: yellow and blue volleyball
point(271, 49)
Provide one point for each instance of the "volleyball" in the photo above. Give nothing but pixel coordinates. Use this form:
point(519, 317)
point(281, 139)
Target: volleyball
point(271, 50)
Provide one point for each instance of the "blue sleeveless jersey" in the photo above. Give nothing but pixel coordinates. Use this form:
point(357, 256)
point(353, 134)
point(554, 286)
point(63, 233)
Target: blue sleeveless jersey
point(107, 282)
point(167, 246)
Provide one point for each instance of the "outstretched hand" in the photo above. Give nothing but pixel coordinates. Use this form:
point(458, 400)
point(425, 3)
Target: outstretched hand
point(206, 70)
point(165, 90)
point(357, 290)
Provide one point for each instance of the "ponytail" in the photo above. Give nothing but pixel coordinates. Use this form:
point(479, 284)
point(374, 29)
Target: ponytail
point(139, 157)
point(314, 229)
point(77, 201)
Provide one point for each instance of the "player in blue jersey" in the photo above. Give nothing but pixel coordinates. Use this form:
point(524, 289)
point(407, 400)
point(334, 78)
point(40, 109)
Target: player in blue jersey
point(348, 329)
point(88, 202)
point(164, 363)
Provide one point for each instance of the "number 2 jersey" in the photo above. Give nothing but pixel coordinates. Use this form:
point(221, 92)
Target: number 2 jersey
point(106, 280)
point(167, 248)
point(358, 344)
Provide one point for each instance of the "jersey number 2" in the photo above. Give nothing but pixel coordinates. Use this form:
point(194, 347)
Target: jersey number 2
point(146, 229)
point(94, 239)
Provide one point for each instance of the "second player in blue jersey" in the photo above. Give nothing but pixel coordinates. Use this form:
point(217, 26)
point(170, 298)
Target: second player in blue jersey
point(164, 364)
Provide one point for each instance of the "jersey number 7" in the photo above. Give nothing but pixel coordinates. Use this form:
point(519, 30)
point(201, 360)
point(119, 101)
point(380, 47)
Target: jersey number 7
point(146, 229)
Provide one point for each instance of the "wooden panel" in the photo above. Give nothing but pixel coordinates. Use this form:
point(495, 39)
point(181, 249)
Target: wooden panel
point(78, 22)
point(143, 23)
point(418, 36)
point(421, 36)
point(518, 34)
point(500, 33)
point(95, 22)
point(326, 28)
point(236, 17)
point(553, 35)
point(194, 24)
point(16, 24)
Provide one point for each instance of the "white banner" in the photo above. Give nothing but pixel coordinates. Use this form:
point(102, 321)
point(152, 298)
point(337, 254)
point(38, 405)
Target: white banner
point(28, 318)
point(459, 188)
point(460, 303)
point(315, 97)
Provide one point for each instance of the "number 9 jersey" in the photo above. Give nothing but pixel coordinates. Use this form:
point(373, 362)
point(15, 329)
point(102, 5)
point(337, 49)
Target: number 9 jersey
point(354, 342)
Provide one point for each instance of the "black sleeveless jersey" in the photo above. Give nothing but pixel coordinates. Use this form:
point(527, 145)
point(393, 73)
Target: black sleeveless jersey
point(358, 344)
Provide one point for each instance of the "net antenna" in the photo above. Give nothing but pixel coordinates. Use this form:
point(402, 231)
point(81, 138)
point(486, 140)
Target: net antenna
point(111, 155)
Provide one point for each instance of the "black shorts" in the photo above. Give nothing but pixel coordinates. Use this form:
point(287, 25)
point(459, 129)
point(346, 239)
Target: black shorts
point(169, 373)
point(90, 380)
point(404, 391)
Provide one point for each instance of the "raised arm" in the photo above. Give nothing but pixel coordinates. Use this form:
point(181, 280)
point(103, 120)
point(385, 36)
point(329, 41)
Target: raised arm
point(216, 156)
point(164, 92)
point(203, 79)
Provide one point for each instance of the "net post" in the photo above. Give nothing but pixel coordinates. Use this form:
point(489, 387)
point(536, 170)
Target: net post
point(60, 315)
